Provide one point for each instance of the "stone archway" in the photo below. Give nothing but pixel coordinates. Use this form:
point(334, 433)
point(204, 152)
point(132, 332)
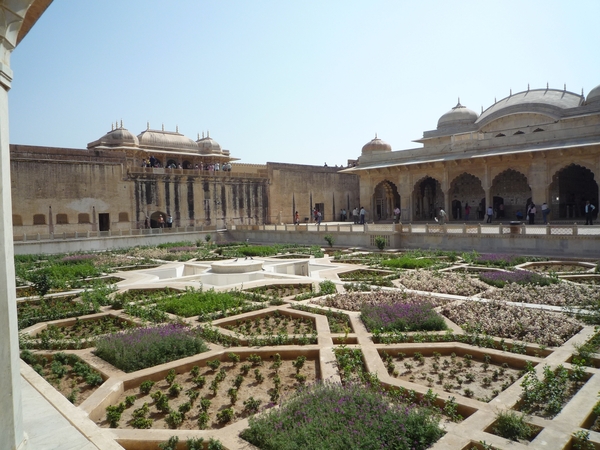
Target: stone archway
point(428, 197)
point(511, 190)
point(385, 200)
point(571, 187)
point(465, 190)
point(155, 219)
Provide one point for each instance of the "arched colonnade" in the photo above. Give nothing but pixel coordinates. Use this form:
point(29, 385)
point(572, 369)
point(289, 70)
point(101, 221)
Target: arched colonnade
point(509, 191)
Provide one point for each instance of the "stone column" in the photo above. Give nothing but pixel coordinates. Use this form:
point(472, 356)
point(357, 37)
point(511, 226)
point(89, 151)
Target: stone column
point(12, 434)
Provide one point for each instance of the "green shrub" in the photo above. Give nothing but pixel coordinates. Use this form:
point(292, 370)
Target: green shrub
point(380, 242)
point(511, 425)
point(408, 262)
point(367, 419)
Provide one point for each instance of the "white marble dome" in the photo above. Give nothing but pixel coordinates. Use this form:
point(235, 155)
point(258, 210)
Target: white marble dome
point(458, 116)
point(593, 96)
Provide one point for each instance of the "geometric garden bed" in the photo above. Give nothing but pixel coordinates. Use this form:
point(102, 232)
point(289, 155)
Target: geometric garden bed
point(260, 358)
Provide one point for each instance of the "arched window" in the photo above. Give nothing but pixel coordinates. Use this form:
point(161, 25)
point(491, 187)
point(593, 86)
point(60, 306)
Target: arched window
point(83, 218)
point(39, 219)
point(123, 217)
point(62, 219)
point(17, 220)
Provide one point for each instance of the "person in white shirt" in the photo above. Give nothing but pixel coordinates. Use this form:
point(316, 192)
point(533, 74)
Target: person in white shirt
point(589, 213)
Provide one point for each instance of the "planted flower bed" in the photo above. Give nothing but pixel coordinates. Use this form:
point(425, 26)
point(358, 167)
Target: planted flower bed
point(32, 312)
point(79, 333)
point(337, 416)
point(137, 295)
point(355, 301)
point(212, 394)
point(470, 375)
point(521, 277)
point(282, 290)
point(338, 322)
point(545, 396)
point(503, 320)
point(442, 282)
point(401, 317)
point(272, 323)
point(208, 305)
point(559, 294)
point(558, 267)
point(139, 348)
point(67, 373)
point(364, 275)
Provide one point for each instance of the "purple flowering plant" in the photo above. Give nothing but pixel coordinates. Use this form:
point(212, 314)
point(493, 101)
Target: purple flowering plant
point(523, 277)
point(402, 317)
point(139, 348)
point(342, 416)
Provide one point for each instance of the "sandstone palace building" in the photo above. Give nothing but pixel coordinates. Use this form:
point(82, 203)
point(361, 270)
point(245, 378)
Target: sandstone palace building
point(539, 145)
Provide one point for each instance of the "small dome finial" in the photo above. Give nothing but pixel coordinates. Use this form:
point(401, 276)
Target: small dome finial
point(207, 133)
point(510, 93)
point(121, 123)
point(527, 87)
point(176, 128)
point(203, 135)
point(481, 109)
point(163, 127)
point(112, 127)
point(147, 125)
point(547, 85)
point(565, 88)
point(495, 100)
point(375, 135)
point(198, 136)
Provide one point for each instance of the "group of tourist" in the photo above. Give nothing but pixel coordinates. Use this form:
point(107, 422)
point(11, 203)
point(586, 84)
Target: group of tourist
point(212, 167)
point(497, 212)
point(161, 222)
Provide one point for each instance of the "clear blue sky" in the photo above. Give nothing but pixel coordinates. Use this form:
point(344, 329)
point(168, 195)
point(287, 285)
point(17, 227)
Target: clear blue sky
point(289, 81)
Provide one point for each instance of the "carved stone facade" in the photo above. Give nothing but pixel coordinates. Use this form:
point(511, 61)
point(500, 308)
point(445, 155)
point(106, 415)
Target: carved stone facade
point(535, 146)
point(122, 181)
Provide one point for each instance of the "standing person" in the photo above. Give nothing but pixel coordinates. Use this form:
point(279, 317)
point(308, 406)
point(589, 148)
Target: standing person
point(355, 215)
point(490, 214)
point(589, 213)
point(363, 213)
point(467, 211)
point(169, 221)
point(319, 217)
point(442, 216)
point(545, 212)
point(296, 218)
point(531, 213)
point(315, 214)
point(397, 215)
point(479, 212)
point(161, 221)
